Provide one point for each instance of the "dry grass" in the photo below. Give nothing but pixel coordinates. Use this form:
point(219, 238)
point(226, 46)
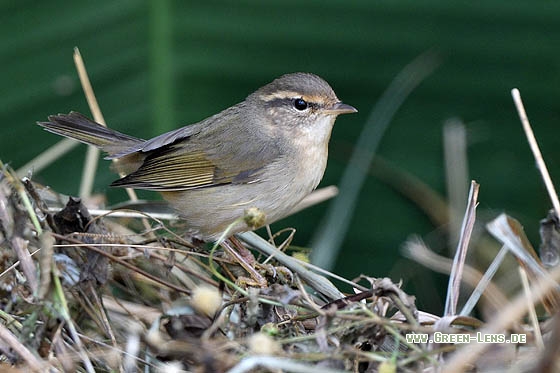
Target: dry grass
point(124, 291)
point(99, 294)
point(105, 294)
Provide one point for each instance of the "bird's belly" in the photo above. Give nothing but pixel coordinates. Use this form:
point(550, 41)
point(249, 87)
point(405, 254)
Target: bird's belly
point(210, 211)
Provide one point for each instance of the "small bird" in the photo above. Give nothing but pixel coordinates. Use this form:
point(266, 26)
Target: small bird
point(267, 152)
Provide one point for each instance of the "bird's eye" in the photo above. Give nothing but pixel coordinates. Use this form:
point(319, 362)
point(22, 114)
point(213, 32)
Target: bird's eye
point(300, 104)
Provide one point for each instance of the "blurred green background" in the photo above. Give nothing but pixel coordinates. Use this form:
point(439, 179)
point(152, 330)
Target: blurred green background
point(156, 65)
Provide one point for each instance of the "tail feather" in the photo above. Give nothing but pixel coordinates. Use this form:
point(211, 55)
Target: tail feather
point(77, 126)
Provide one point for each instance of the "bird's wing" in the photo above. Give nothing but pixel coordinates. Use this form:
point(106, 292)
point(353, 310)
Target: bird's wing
point(165, 169)
point(214, 152)
point(175, 167)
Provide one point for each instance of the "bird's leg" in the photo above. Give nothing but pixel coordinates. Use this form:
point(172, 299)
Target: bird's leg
point(286, 276)
point(245, 259)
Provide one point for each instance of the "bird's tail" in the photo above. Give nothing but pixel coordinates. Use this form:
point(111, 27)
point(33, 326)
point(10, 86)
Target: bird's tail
point(79, 127)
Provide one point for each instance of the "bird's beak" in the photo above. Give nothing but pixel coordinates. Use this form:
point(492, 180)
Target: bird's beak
point(340, 108)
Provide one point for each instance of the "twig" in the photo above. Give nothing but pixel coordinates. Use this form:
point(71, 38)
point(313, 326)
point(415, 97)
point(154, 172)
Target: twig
point(124, 264)
point(61, 306)
point(10, 339)
point(456, 174)
point(19, 244)
point(535, 149)
point(501, 321)
point(316, 197)
point(484, 281)
point(461, 253)
point(47, 157)
point(531, 307)
point(319, 283)
point(124, 213)
point(92, 155)
point(278, 363)
point(88, 89)
point(510, 232)
point(416, 250)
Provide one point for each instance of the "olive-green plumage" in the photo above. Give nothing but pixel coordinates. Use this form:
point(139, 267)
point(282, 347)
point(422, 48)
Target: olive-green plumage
point(268, 151)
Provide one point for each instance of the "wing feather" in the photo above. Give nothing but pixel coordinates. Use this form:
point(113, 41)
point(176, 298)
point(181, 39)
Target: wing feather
point(191, 158)
point(166, 171)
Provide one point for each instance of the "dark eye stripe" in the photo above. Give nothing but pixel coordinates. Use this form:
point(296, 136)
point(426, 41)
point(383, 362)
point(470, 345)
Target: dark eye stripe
point(289, 102)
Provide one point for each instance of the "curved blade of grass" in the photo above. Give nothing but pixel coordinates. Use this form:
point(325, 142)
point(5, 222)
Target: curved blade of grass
point(331, 232)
